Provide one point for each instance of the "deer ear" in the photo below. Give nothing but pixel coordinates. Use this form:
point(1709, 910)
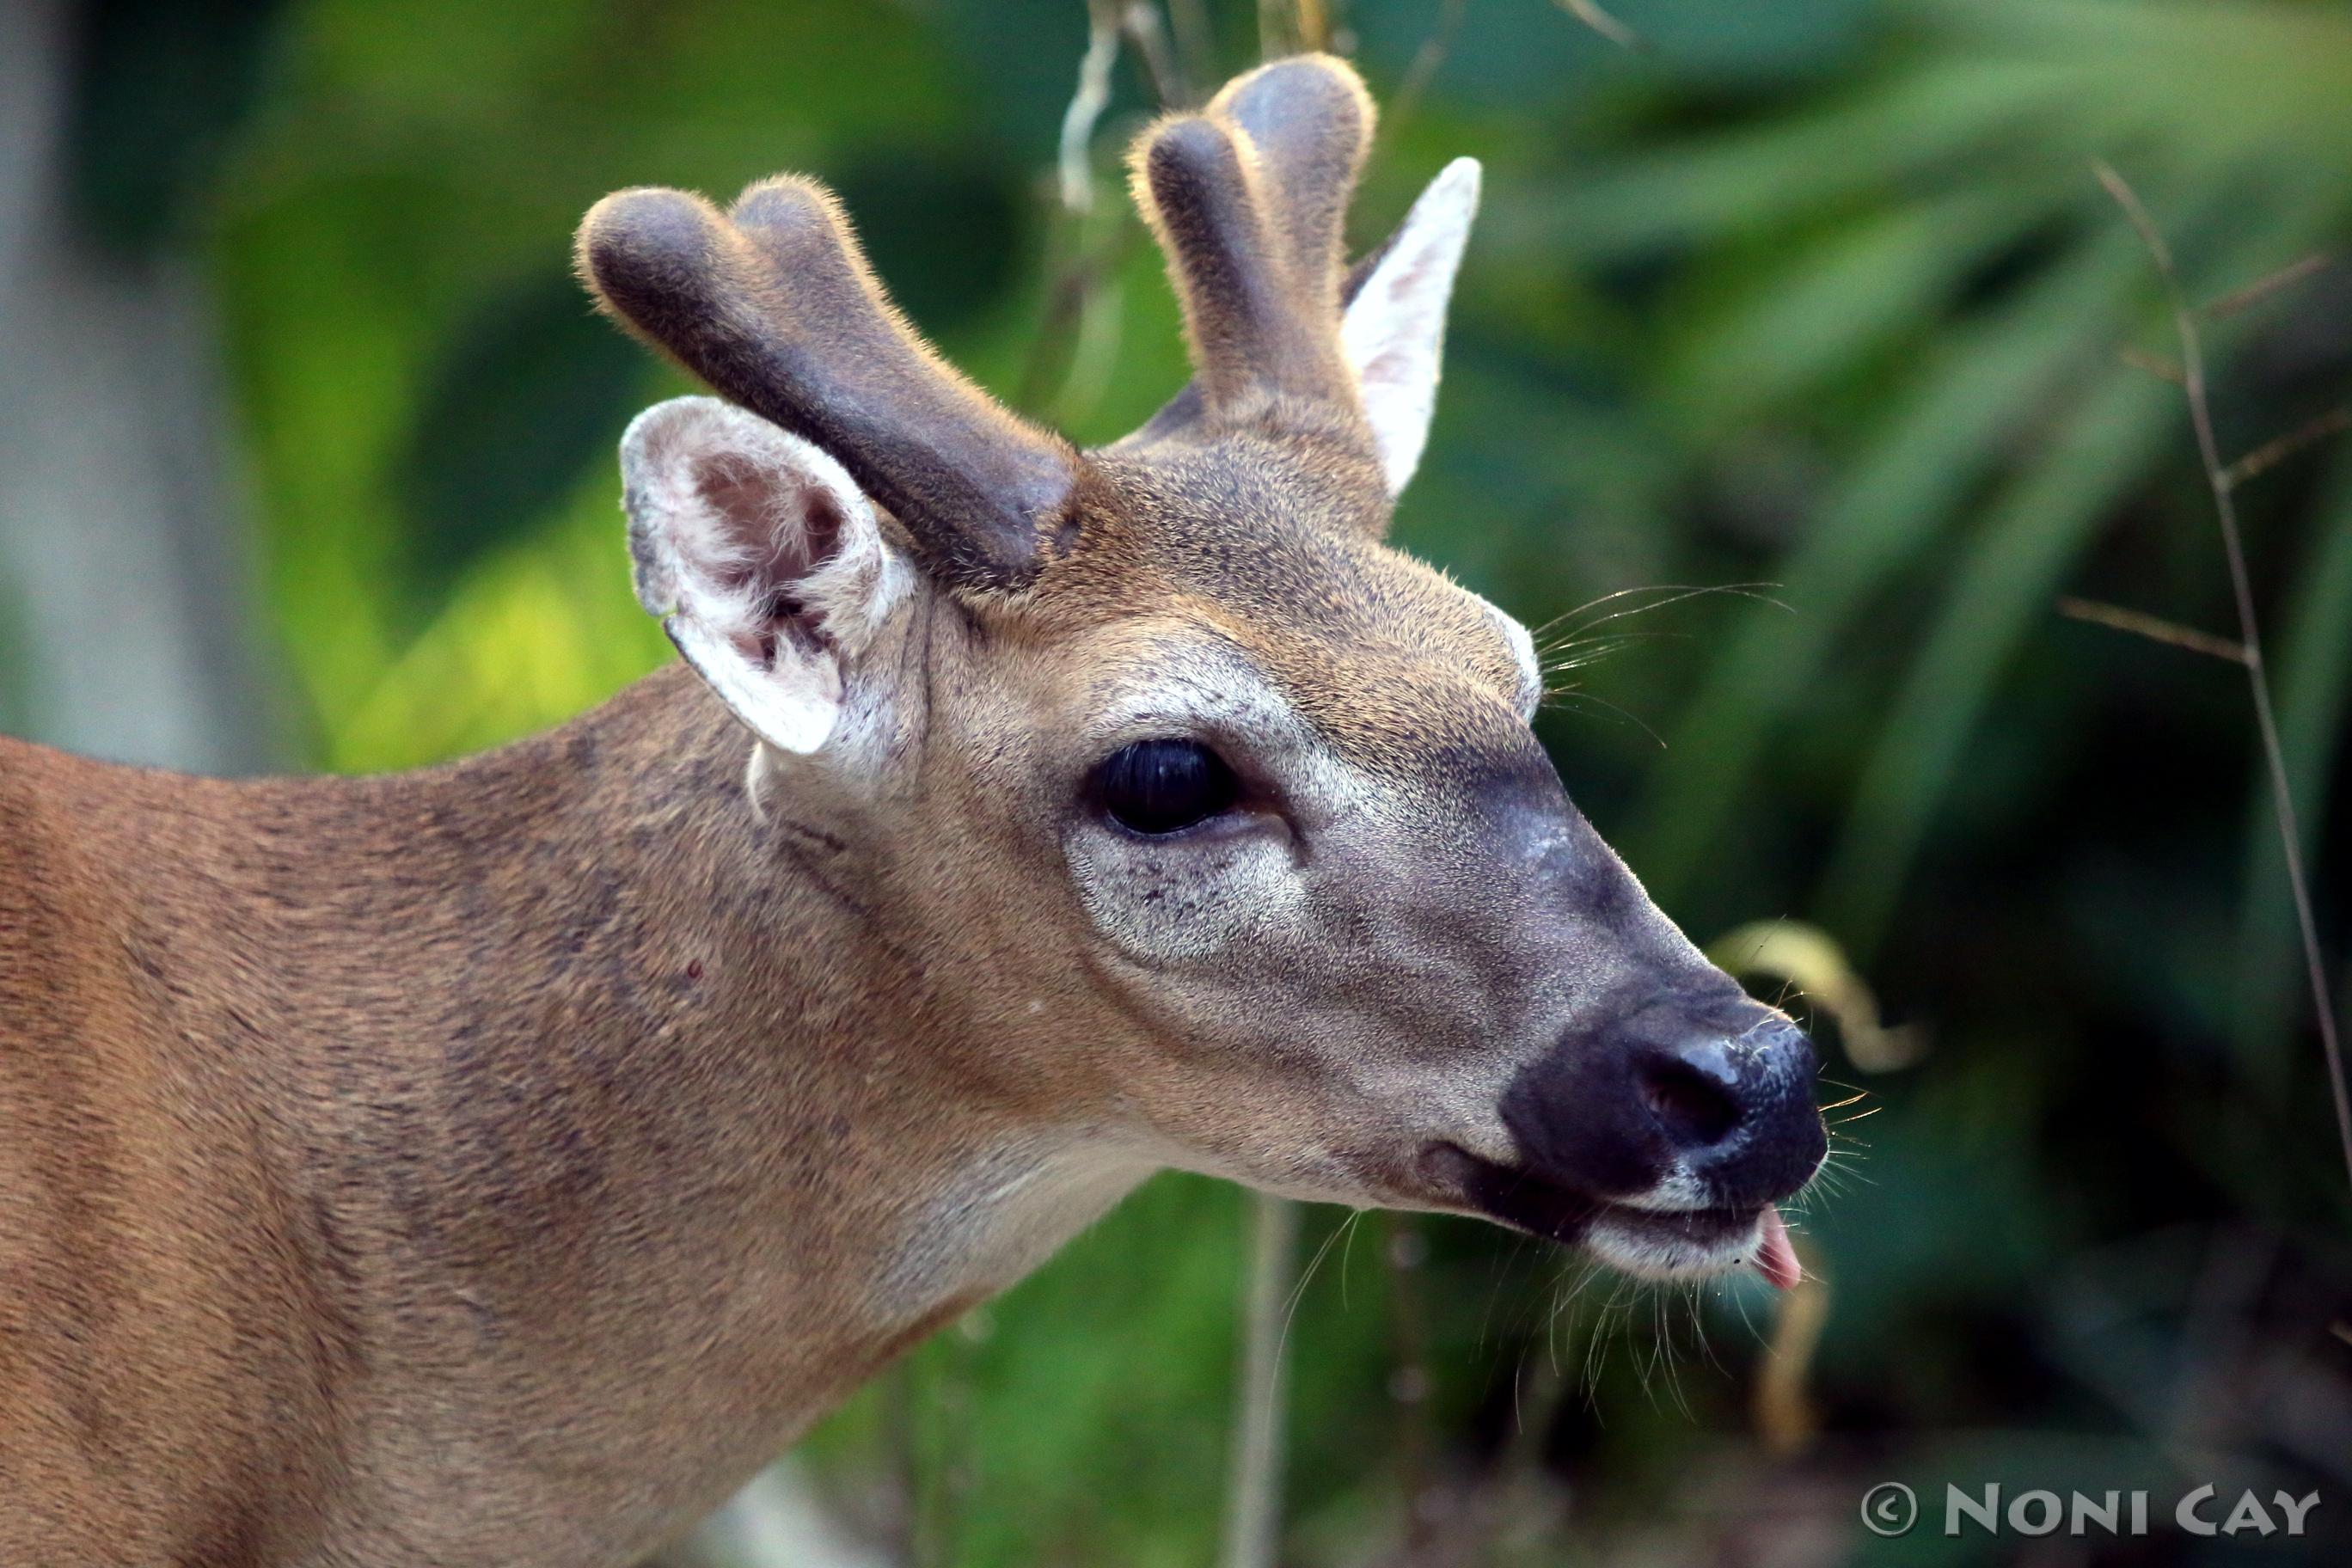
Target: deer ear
point(765, 563)
point(1394, 329)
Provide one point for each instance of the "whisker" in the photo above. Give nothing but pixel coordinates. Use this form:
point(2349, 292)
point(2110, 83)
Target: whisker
point(1675, 593)
point(1299, 1290)
point(1568, 640)
point(1494, 1287)
point(1694, 1306)
point(1591, 651)
point(1755, 1335)
point(1605, 599)
point(1551, 697)
point(1347, 1251)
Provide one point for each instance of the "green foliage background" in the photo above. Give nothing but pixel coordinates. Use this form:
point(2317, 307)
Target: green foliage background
point(1817, 294)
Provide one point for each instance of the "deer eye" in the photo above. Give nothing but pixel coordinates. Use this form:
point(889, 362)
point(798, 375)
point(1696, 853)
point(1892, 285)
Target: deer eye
point(1163, 786)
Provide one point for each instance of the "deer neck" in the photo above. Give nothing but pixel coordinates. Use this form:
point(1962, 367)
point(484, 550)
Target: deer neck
point(646, 1136)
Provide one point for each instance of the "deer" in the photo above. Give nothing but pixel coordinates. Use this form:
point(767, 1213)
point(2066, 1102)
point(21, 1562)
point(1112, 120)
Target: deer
point(501, 1163)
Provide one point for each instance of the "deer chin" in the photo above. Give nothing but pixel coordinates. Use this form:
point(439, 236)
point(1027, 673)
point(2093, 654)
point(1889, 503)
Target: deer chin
point(1648, 1243)
point(1694, 1244)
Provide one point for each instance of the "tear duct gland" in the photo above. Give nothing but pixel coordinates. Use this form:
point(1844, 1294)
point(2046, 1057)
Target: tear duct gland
point(501, 1163)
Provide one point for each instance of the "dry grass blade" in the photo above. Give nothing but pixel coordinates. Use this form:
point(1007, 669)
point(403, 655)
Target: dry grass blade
point(1409, 1377)
point(2156, 628)
point(1074, 159)
point(2150, 236)
point(1809, 961)
point(2271, 453)
point(1253, 1495)
point(2156, 365)
point(2225, 508)
point(1426, 60)
point(2263, 287)
point(1603, 23)
point(1169, 78)
point(1314, 25)
point(1783, 1411)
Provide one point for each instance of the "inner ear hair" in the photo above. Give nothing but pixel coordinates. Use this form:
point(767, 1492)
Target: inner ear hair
point(773, 543)
point(762, 559)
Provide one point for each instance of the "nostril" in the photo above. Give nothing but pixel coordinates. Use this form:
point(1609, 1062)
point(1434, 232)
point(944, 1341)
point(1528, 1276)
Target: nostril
point(1696, 1111)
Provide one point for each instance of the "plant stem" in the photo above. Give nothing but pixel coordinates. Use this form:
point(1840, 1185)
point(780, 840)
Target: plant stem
point(1254, 1494)
point(1409, 1377)
point(2225, 507)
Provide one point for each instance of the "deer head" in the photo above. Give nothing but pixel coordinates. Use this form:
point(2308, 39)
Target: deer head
point(1215, 823)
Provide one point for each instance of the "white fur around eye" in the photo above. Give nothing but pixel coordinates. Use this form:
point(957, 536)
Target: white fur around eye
point(1188, 898)
point(1183, 900)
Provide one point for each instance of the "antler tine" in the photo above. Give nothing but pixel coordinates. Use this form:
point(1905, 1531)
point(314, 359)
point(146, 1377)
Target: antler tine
point(773, 304)
point(1310, 119)
point(1249, 199)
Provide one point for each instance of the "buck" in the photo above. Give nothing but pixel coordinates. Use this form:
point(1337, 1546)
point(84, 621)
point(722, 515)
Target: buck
point(501, 1163)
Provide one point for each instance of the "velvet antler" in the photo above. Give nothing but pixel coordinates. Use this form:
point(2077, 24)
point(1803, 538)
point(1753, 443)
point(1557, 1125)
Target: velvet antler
point(773, 304)
point(1249, 200)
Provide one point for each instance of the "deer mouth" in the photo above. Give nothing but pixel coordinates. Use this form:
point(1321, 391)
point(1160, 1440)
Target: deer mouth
point(1648, 1243)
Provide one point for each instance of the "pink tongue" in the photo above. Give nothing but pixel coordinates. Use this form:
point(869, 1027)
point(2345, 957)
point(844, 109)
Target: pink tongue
point(1775, 1260)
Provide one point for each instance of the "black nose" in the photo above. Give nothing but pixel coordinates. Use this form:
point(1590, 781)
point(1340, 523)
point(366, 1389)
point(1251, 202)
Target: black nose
point(1717, 1092)
point(1737, 1110)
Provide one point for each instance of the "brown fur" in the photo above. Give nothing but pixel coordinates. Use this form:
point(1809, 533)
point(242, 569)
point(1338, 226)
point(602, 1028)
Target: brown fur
point(387, 1157)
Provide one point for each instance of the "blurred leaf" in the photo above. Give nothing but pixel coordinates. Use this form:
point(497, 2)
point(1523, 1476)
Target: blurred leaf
point(1810, 310)
point(2007, 582)
point(161, 86)
point(526, 391)
point(2007, 579)
point(905, 202)
point(1983, 380)
point(1795, 168)
point(16, 665)
point(533, 634)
